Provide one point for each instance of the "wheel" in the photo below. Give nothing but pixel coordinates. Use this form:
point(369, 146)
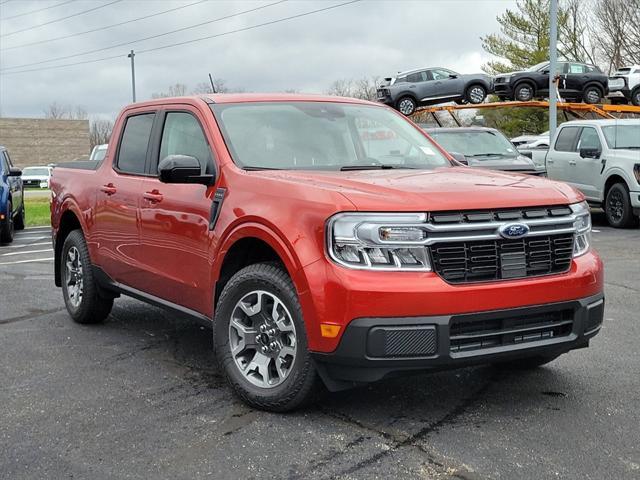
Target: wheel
point(592, 95)
point(7, 228)
point(260, 340)
point(527, 363)
point(82, 295)
point(523, 92)
point(476, 94)
point(617, 207)
point(406, 105)
point(635, 97)
point(19, 222)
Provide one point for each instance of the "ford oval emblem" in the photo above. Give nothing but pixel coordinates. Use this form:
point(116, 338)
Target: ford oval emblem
point(514, 230)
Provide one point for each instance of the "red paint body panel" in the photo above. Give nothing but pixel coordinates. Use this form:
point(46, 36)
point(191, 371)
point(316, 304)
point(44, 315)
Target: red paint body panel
point(166, 249)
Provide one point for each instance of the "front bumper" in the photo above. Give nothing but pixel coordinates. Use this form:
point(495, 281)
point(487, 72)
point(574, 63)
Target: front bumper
point(503, 89)
point(373, 348)
point(620, 93)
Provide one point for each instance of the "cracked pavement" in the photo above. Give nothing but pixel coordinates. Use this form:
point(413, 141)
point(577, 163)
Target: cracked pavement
point(140, 397)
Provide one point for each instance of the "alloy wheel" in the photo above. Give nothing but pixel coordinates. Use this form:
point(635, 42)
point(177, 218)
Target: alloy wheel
point(615, 206)
point(262, 339)
point(476, 95)
point(406, 107)
point(74, 277)
point(525, 94)
point(593, 96)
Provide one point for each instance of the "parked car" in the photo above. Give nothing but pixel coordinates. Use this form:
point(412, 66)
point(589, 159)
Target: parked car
point(12, 215)
point(526, 139)
point(98, 153)
point(624, 85)
point(601, 158)
point(36, 176)
point(482, 147)
point(317, 253)
point(578, 82)
point(427, 86)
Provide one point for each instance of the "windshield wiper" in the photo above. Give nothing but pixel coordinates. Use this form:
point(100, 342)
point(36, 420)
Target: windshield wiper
point(374, 166)
point(251, 168)
point(487, 155)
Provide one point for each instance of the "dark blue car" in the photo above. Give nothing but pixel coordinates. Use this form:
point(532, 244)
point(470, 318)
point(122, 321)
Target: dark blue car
point(11, 198)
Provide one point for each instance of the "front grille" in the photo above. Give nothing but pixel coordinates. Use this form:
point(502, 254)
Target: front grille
point(487, 260)
point(468, 334)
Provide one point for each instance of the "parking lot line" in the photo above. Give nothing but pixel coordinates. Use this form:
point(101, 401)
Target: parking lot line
point(25, 252)
point(27, 245)
point(28, 261)
point(29, 238)
point(38, 228)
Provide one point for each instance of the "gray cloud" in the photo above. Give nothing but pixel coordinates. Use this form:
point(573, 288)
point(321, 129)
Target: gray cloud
point(363, 39)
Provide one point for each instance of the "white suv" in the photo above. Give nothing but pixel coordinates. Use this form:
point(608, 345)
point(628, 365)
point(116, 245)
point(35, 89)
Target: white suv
point(601, 158)
point(624, 85)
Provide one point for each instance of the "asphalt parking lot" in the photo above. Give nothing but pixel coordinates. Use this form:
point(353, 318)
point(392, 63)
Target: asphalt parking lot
point(140, 397)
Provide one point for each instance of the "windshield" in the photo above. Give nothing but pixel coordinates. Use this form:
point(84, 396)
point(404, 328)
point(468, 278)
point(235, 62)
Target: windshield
point(40, 171)
point(538, 66)
point(622, 136)
point(475, 143)
point(323, 136)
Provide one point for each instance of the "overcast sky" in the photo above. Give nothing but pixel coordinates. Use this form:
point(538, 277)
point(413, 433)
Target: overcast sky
point(369, 37)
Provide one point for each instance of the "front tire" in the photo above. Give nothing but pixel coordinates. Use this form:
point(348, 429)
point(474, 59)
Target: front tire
point(20, 222)
point(592, 95)
point(260, 339)
point(476, 94)
point(81, 292)
point(406, 105)
point(7, 228)
point(523, 93)
point(635, 97)
point(617, 207)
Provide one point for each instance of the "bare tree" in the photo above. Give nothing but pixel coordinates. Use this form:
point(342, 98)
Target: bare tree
point(363, 88)
point(100, 131)
point(175, 90)
point(65, 112)
point(618, 31)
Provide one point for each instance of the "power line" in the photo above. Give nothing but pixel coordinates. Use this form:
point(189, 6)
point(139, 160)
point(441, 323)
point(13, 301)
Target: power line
point(103, 28)
point(36, 11)
point(61, 19)
point(130, 42)
point(188, 41)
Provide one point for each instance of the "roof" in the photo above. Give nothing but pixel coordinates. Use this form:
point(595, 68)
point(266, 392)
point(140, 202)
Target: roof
point(221, 98)
point(407, 72)
point(605, 121)
point(457, 129)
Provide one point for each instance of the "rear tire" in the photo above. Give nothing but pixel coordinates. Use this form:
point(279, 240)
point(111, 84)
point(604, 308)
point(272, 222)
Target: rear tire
point(259, 309)
point(7, 228)
point(406, 105)
point(81, 292)
point(19, 222)
point(527, 363)
point(635, 97)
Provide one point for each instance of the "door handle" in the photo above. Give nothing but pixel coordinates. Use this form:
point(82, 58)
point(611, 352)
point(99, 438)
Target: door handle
point(109, 189)
point(154, 196)
point(572, 162)
point(549, 160)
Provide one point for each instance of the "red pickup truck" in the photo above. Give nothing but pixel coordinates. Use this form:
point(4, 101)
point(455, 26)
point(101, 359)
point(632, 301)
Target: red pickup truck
point(320, 251)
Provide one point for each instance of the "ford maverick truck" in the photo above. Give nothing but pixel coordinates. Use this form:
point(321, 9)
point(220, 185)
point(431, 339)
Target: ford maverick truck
point(327, 240)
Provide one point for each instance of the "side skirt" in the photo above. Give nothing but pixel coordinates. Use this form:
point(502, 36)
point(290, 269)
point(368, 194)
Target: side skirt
point(113, 288)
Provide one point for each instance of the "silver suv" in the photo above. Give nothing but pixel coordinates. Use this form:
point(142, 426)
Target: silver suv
point(427, 86)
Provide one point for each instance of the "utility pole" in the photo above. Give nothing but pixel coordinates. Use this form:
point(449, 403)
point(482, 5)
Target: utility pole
point(553, 62)
point(133, 75)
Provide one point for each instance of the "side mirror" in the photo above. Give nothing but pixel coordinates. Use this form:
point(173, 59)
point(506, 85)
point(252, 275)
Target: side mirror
point(453, 75)
point(590, 152)
point(15, 172)
point(459, 157)
point(527, 154)
point(182, 169)
point(545, 72)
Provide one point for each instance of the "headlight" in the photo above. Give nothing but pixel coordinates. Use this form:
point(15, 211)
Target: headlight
point(378, 241)
point(582, 225)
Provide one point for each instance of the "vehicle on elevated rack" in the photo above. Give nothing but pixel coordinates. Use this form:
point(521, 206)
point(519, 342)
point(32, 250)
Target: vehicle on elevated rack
point(601, 158)
point(12, 216)
point(325, 238)
point(577, 82)
point(624, 85)
point(427, 86)
point(482, 147)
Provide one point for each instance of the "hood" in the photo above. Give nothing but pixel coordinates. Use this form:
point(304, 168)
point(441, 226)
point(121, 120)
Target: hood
point(519, 162)
point(457, 188)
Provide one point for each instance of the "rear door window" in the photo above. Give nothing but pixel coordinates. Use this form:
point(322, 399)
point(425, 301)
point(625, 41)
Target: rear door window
point(566, 140)
point(132, 155)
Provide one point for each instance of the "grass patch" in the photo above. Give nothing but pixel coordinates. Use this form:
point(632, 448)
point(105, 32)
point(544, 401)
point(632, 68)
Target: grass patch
point(37, 211)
